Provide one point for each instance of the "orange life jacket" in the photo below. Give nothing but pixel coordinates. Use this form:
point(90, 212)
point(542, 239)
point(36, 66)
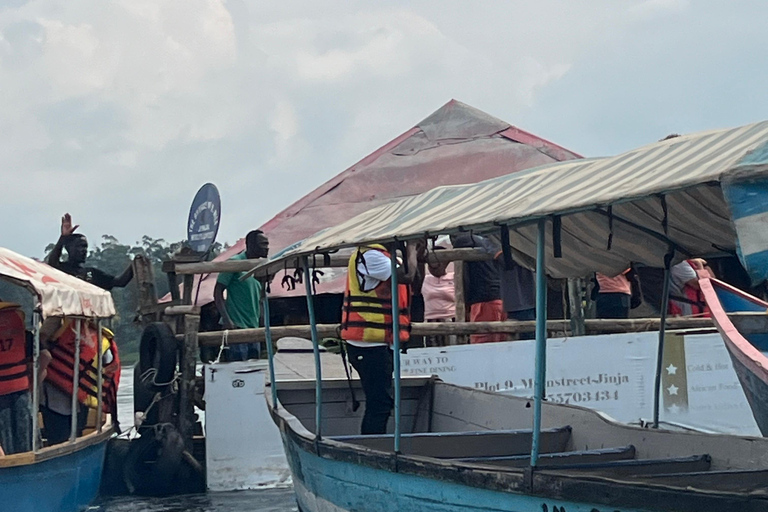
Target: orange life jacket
point(13, 353)
point(367, 315)
point(62, 365)
point(110, 376)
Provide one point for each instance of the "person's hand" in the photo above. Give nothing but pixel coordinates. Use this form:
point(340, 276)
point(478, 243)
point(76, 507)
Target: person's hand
point(66, 225)
point(420, 246)
point(698, 263)
point(229, 326)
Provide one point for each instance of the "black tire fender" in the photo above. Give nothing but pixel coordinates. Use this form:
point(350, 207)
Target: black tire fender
point(158, 349)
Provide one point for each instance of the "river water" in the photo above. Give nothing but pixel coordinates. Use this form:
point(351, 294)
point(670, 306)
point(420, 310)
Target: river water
point(266, 500)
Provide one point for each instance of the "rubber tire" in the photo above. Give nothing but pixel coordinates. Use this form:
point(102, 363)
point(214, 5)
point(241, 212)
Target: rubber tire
point(158, 349)
point(153, 462)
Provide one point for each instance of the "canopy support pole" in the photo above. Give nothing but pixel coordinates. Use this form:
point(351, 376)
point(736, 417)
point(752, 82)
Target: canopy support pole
point(541, 339)
point(396, 341)
point(270, 349)
point(35, 379)
point(100, 378)
point(76, 381)
point(662, 331)
point(315, 348)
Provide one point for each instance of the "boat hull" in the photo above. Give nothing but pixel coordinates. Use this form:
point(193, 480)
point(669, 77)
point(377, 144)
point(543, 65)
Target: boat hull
point(327, 485)
point(66, 483)
point(746, 350)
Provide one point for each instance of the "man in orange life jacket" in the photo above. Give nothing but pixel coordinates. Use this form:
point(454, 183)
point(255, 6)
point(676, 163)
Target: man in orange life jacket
point(15, 401)
point(366, 323)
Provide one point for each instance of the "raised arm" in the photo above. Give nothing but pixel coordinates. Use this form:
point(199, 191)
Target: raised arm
point(54, 258)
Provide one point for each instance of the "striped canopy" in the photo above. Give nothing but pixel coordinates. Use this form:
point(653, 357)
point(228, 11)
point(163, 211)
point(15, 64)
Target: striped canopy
point(607, 212)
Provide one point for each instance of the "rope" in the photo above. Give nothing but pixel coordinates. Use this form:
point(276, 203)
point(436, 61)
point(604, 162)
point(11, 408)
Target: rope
point(224, 345)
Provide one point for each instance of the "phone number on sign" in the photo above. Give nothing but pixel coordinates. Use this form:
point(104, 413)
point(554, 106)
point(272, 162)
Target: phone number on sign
point(578, 397)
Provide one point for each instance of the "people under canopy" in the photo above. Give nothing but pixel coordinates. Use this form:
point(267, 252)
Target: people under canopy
point(15, 381)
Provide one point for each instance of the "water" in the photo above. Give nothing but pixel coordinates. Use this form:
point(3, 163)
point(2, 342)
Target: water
point(267, 500)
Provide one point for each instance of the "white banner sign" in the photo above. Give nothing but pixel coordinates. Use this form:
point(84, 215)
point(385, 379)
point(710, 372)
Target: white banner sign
point(610, 373)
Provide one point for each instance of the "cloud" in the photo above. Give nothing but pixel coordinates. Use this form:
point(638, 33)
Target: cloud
point(117, 112)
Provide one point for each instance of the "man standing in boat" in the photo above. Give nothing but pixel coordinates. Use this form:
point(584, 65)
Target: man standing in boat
point(77, 251)
point(15, 382)
point(242, 307)
point(366, 324)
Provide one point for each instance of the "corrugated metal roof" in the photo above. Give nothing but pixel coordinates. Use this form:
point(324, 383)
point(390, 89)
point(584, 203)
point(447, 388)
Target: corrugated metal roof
point(457, 144)
point(680, 176)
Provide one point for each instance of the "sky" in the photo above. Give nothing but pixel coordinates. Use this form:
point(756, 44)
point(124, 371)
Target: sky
point(117, 112)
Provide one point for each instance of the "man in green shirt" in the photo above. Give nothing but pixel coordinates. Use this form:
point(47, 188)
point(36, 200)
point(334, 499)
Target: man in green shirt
point(242, 307)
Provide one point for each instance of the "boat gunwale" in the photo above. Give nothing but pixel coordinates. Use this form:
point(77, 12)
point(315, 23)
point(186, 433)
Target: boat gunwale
point(58, 450)
point(738, 346)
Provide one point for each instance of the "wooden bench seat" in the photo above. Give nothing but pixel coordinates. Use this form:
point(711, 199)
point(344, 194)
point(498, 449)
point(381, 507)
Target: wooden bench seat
point(547, 460)
point(452, 445)
point(694, 463)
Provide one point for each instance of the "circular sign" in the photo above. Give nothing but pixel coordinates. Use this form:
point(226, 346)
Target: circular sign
point(204, 218)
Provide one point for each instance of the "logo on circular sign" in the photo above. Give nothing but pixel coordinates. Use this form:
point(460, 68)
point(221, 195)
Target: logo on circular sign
point(238, 383)
point(204, 218)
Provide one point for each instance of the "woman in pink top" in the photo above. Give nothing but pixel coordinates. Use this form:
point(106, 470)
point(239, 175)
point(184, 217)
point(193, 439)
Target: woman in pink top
point(613, 297)
point(439, 298)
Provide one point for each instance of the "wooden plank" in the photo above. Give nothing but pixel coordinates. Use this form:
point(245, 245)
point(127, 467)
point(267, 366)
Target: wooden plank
point(453, 445)
point(593, 326)
point(560, 458)
point(643, 466)
point(187, 387)
point(337, 260)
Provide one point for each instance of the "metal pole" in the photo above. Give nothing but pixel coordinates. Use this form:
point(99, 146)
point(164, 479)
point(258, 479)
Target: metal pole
point(316, 350)
point(35, 378)
point(99, 378)
point(396, 342)
point(270, 350)
point(75, 381)
point(660, 353)
point(541, 340)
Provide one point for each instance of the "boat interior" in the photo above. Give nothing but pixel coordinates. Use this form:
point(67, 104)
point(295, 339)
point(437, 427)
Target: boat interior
point(492, 431)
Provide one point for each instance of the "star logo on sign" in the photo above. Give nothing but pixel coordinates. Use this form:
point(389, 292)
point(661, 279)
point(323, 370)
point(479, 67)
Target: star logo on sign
point(674, 409)
point(672, 390)
point(671, 369)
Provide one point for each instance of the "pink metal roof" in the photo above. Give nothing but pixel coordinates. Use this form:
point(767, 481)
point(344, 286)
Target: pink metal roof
point(457, 144)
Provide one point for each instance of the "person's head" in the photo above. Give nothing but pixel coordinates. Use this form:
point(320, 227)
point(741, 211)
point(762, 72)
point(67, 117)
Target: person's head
point(77, 247)
point(256, 244)
point(437, 269)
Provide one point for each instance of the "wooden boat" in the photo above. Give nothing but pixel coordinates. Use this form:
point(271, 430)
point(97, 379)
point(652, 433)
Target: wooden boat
point(743, 324)
point(464, 449)
point(454, 448)
point(63, 477)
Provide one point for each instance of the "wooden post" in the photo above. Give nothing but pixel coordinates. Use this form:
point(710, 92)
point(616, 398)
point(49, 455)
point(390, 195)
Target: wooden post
point(187, 388)
point(461, 308)
point(577, 306)
point(145, 280)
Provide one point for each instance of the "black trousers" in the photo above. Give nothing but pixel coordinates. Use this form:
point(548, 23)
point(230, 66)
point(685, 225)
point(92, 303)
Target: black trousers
point(58, 426)
point(374, 365)
point(612, 305)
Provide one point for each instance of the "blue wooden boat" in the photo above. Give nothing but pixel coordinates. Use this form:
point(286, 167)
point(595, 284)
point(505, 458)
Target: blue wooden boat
point(63, 477)
point(464, 449)
point(742, 321)
point(454, 448)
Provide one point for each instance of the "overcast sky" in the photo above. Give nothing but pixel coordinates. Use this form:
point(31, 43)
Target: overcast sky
point(118, 111)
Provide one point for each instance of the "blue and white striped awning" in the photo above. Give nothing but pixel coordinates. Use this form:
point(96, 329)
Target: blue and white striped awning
point(643, 201)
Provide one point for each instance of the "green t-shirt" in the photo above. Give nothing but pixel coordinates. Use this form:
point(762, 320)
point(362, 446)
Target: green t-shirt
point(243, 297)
